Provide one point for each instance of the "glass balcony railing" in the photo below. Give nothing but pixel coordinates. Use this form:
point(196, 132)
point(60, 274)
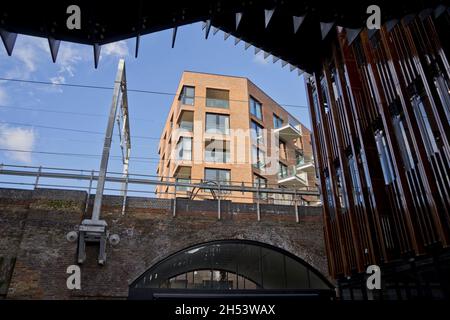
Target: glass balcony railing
point(217, 156)
point(291, 177)
point(217, 103)
point(183, 188)
point(186, 126)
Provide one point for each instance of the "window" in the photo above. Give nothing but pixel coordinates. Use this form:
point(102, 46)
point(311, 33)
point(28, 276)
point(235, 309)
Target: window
point(257, 133)
point(282, 170)
point(218, 175)
point(259, 158)
point(186, 122)
point(231, 264)
point(255, 108)
point(183, 188)
point(184, 149)
point(187, 95)
point(217, 123)
point(261, 183)
point(217, 151)
point(217, 98)
point(277, 122)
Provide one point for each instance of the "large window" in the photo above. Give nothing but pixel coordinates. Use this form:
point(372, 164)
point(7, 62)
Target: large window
point(183, 188)
point(255, 108)
point(258, 158)
point(257, 133)
point(217, 151)
point(187, 95)
point(277, 122)
point(231, 264)
point(218, 175)
point(217, 123)
point(261, 183)
point(217, 98)
point(184, 149)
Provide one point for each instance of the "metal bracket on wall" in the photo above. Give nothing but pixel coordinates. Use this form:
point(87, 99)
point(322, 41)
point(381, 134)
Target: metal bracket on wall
point(95, 230)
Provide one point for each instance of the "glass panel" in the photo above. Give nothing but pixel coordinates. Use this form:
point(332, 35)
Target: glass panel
point(255, 108)
point(296, 275)
point(274, 276)
point(262, 184)
point(183, 188)
point(221, 175)
point(230, 265)
point(202, 279)
point(282, 171)
point(277, 122)
point(216, 123)
point(188, 95)
point(217, 151)
point(299, 158)
point(184, 149)
point(259, 158)
point(217, 98)
point(257, 133)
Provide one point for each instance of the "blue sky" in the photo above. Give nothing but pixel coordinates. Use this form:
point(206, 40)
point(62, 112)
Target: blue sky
point(158, 68)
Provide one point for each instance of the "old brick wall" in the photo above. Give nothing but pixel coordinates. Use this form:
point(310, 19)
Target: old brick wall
point(34, 252)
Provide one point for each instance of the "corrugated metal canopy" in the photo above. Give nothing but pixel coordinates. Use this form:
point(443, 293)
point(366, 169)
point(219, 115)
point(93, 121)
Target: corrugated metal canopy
point(294, 31)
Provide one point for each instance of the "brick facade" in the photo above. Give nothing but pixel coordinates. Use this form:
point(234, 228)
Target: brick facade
point(34, 251)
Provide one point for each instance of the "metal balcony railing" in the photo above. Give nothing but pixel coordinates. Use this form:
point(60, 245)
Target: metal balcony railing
point(30, 177)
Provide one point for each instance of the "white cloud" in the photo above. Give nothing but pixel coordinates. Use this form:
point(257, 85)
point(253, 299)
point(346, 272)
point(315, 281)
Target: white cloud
point(17, 138)
point(119, 49)
point(69, 56)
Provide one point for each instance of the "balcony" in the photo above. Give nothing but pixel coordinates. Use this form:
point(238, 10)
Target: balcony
point(291, 178)
point(185, 121)
point(288, 132)
point(306, 167)
point(183, 175)
point(217, 98)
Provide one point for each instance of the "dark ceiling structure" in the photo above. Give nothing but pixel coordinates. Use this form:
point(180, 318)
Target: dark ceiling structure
point(294, 31)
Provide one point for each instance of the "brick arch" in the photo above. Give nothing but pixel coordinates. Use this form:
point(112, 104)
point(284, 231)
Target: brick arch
point(161, 259)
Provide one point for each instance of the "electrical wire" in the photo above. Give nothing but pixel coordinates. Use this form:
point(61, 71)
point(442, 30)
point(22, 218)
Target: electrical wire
point(69, 112)
point(71, 130)
point(75, 85)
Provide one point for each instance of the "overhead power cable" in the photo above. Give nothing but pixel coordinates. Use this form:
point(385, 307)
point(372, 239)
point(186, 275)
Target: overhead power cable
point(71, 130)
point(75, 85)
